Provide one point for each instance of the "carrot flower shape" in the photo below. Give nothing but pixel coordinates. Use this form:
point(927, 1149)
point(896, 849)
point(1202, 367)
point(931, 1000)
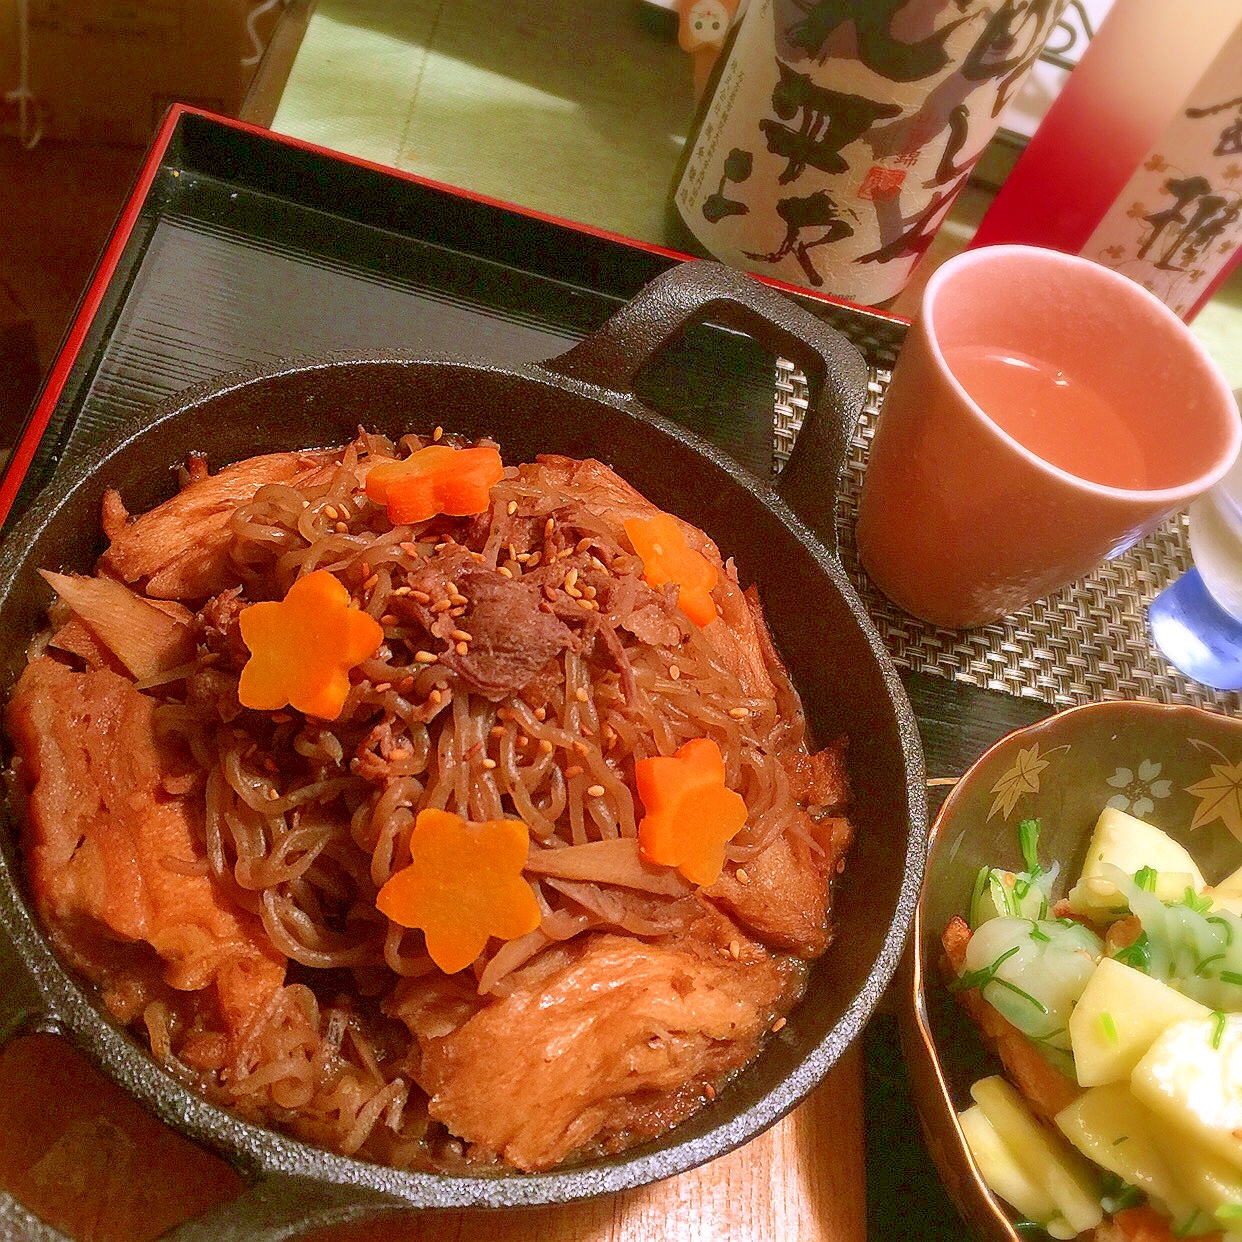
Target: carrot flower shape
point(303, 647)
point(691, 815)
point(463, 885)
point(668, 558)
point(436, 479)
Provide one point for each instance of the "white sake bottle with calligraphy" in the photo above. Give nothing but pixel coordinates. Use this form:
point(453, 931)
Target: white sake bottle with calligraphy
point(836, 135)
point(1138, 162)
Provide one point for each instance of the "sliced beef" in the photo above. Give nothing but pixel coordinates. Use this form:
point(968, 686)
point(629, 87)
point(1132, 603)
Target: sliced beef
point(612, 1046)
point(115, 862)
point(511, 637)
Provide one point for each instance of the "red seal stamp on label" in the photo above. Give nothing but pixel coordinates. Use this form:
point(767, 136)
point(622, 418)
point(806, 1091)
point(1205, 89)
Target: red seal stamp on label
point(881, 184)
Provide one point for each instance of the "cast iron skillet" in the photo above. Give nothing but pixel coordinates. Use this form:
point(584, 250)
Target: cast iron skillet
point(582, 404)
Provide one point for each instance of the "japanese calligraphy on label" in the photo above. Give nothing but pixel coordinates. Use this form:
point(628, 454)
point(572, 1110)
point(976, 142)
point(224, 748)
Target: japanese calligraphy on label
point(1178, 221)
point(839, 134)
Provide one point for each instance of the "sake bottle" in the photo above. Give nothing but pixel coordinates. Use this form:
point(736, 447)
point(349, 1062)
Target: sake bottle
point(1134, 165)
point(834, 138)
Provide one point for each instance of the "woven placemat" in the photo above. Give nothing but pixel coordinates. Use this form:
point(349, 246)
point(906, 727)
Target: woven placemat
point(1086, 643)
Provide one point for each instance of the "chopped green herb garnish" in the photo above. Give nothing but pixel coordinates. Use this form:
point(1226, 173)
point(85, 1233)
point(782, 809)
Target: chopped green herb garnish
point(1223, 922)
point(1228, 1212)
point(1028, 839)
point(1037, 933)
point(1218, 1027)
point(1201, 969)
point(1109, 1027)
point(1230, 976)
point(977, 978)
point(1137, 954)
point(1145, 878)
point(1183, 1229)
point(1200, 903)
point(981, 883)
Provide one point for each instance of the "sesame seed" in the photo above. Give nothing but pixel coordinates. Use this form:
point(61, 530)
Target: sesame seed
point(735, 950)
point(504, 569)
point(341, 527)
point(272, 795)
point(434, 697)
point(421, 596)
point(397, 755)
point(587, 605)
point(371, 583)
point(410, 549)
point(331, 512)
point(674, 672)
point(574, 769)
point(548, 527)
point(462, 636)
point(742, 876)
point(739, 713)
point(459, 611)
point(583, 544)
point(441, 605)
point(381, 686)
point(511, 508)
point(545, 745)
point(406, 683)
point(489, 763)
point(533, 559)
point(461, 648)
point(389, 619)
point(595, 791)
point(581, 694)
point(778, 1025)
point(497, 730)
point(541, 712)
point(564, 553)
point(424, 657)
point(439, 431)
point(581, 748)
point(709, 1091)
point(571, 579)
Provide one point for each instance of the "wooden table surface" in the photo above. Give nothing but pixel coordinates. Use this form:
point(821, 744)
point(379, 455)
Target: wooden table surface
point(97, 1168)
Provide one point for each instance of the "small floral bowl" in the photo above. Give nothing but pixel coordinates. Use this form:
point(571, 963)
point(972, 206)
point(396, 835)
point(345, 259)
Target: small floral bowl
point(1179, 768)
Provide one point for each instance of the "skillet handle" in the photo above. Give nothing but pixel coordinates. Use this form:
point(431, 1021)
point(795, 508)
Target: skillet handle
point(699, 290)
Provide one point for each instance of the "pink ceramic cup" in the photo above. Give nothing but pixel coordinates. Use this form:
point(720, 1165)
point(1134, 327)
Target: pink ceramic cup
point(1045, 413)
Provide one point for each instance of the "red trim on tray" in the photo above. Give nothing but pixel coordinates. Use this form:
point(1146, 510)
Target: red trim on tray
point(23, 453)
point(35, 428)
